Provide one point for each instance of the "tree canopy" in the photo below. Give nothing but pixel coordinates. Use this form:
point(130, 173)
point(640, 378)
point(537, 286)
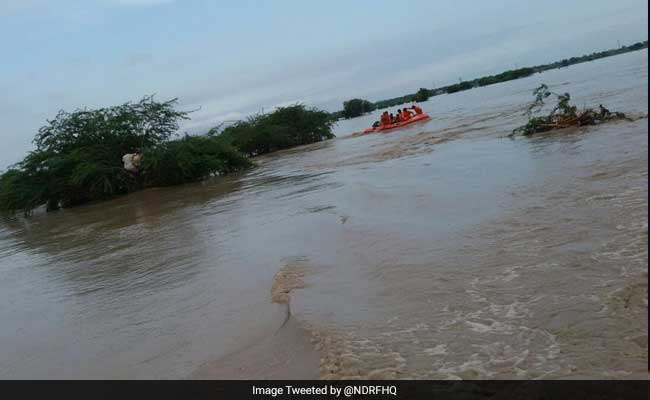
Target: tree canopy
point(357, 107)
point(285, 127)
point(78, 156)
point(422, 95)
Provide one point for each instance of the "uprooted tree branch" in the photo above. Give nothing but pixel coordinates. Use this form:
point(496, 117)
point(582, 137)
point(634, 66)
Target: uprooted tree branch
point(563, 115)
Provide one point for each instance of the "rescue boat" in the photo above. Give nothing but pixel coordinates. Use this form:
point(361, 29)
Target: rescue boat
point(415, 118)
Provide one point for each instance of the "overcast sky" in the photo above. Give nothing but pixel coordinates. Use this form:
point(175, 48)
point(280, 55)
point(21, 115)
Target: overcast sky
point(235, 58)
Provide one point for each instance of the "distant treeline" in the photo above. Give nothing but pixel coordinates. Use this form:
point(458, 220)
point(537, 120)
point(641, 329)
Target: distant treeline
point(424, 94)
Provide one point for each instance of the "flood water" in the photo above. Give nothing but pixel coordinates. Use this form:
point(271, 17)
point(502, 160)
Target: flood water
point(441, 250)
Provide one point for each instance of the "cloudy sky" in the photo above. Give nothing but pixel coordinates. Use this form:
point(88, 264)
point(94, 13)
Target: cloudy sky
point(234, 58)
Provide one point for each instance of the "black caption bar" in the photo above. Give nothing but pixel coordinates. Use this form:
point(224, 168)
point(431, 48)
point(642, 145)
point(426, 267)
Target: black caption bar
point(308, 390)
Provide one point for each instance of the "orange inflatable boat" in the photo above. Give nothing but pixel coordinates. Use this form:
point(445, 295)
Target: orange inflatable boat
point(415, 118)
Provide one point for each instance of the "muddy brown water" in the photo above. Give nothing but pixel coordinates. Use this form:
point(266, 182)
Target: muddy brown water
point(442, 250)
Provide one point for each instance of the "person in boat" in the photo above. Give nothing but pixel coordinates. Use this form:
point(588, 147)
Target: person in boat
point(393, 119)
point(403, 115)
point(385, 118)
point(417, 109)
point(399, 115)
point(376, 124)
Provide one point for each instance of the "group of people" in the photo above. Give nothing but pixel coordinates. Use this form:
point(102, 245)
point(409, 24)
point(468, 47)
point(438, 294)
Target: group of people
point(402, 115)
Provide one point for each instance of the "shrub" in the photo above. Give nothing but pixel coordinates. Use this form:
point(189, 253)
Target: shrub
point(563, 115)
point(422, 95)
point(78, 156)
point(357, 107)
point(285, 127)
point(465, 85)
point(190, 159)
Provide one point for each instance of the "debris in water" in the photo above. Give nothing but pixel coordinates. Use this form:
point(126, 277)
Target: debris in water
point(563, 115)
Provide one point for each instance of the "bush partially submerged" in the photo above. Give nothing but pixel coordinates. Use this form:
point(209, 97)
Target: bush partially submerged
point(422, 95)
point(357, 107)
point(78, 156)
point(122, 128)
point(190, 159)
point(285, 127)
point(563, 115)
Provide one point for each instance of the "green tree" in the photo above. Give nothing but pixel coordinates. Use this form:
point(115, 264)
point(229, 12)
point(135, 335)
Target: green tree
point(357, 107)
point(78, 156)
point(285, 127)
point(465, 85)
point(124, 127)
point(422, 95)
point(191, 158)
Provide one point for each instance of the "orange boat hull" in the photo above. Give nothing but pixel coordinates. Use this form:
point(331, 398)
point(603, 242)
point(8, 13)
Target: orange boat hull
point(415, 118)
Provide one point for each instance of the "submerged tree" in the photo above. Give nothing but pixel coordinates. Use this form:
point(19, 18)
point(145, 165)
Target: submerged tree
point(422, 95)
point(357, 107)
point(127, 127)
point(285, 127)
point(78, 156)
point(563, 115)
point(189, 159)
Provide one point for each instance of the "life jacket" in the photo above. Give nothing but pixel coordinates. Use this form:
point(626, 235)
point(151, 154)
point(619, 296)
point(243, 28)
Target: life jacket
point(385, 119)
point(418, 110)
